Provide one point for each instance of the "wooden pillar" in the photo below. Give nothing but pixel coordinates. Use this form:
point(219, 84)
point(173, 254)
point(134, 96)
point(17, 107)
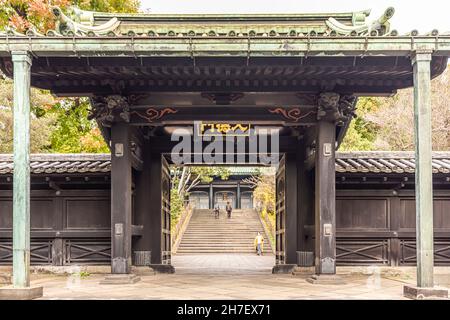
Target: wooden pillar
point(121, 180)
point(291, 209)
point(144, 183)
point(305, 203)
point(325, 199)
point(238, 195)
point(155, 208)
point(424, 182)
point(211, 196)
point(21, 182)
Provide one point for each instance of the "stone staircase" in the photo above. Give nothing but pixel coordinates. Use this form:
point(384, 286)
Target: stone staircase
point(206, 234)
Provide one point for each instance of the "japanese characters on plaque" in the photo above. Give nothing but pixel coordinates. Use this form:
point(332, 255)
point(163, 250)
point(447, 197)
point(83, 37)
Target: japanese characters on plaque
point(217, 129)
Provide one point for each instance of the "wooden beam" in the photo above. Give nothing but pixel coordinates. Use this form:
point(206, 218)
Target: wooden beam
point(325, 199)
point(424, 180)
point(164, 144)
point(257, 115)
point(218, 46)
point(21, 182)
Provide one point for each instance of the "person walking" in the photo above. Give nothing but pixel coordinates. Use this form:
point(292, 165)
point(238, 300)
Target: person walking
point(216, 212)
point(259, 241)
point(229, 209)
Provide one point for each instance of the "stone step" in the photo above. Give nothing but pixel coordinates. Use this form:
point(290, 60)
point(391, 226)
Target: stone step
point(181, 251)
point(218, 246)
point(206, 234)
point(222, 239)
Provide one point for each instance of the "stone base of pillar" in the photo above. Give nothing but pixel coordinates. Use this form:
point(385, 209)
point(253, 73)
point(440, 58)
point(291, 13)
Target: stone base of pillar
point(283, 268)
point(142, 271)
point(163, 268)
point(418, 293)
point(326, 279)
point(126, 278)
point(303, 271)
point(27, 293)
point(5, 279)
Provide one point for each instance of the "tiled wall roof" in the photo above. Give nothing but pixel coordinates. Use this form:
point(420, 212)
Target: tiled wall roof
point(346, 162)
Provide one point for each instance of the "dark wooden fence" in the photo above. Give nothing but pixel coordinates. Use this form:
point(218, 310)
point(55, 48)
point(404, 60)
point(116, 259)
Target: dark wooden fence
point(373, 227)
point(72, 228)
point(378, 227)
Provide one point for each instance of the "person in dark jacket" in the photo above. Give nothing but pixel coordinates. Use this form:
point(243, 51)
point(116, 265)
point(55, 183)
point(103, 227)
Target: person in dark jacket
point(229, 209)
point(216, 212)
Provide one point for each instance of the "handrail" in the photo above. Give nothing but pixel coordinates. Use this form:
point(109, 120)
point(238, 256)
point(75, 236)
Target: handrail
point(268, 229)
point(180, 227)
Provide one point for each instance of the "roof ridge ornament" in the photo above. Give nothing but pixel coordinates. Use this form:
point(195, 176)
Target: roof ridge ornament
point(381, 26)
point(75, 25)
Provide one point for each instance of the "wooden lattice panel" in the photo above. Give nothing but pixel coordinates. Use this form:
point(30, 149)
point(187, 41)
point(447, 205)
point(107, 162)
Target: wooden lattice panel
point(40, 252)
point(362, 251)
point(408, 252)
point(87, 251)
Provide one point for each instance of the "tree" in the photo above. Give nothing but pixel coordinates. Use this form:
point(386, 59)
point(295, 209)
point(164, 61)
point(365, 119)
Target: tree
point(40, 127)
point(395, 119)
point(73, 132)
point(57, 125)
point(24, 14)
point(187, 177)
point(184, 179)
point(263, 183)
point(361, 133)
point(388, 123)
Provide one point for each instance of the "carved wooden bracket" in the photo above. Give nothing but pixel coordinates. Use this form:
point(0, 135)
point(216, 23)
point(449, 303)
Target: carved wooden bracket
point(110, 109)
point(334, 107)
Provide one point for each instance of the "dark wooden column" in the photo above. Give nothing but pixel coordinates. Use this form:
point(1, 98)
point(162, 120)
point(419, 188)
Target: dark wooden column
point(305, 204)
point(144, 184)
point(154, 219)
point(238, 195)
point(121, 179)
point(325, 199)
point(154, 200)
point(211, 196)
point(291, 209)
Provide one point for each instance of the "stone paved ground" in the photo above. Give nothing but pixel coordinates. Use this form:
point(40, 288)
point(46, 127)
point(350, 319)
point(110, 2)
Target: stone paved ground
point(231, 277)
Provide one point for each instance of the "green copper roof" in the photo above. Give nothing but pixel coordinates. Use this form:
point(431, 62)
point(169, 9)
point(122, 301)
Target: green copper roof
point(76, 22)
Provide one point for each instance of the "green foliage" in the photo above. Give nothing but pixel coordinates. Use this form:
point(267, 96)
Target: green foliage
point(192, 176)
point(57, 125)
point(73, 132)
point(37, 14)
point(120, 6)
point(82, 274)
point(206, 174)
point(356, 137)
point(361, 133)
point(40, 127)
point(176, 207)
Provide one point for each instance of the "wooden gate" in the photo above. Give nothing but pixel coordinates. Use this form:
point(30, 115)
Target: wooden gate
point(166, 247)
point(280, 213)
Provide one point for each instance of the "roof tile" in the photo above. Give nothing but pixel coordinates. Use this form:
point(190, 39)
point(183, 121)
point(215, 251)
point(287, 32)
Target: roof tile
point(346, 162)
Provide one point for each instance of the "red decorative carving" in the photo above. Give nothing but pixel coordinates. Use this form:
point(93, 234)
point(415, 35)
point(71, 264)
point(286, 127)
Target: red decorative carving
point(152, 114)
point(292, 114)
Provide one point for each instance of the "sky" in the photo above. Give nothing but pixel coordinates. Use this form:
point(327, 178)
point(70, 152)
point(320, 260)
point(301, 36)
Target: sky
point(423, 15)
